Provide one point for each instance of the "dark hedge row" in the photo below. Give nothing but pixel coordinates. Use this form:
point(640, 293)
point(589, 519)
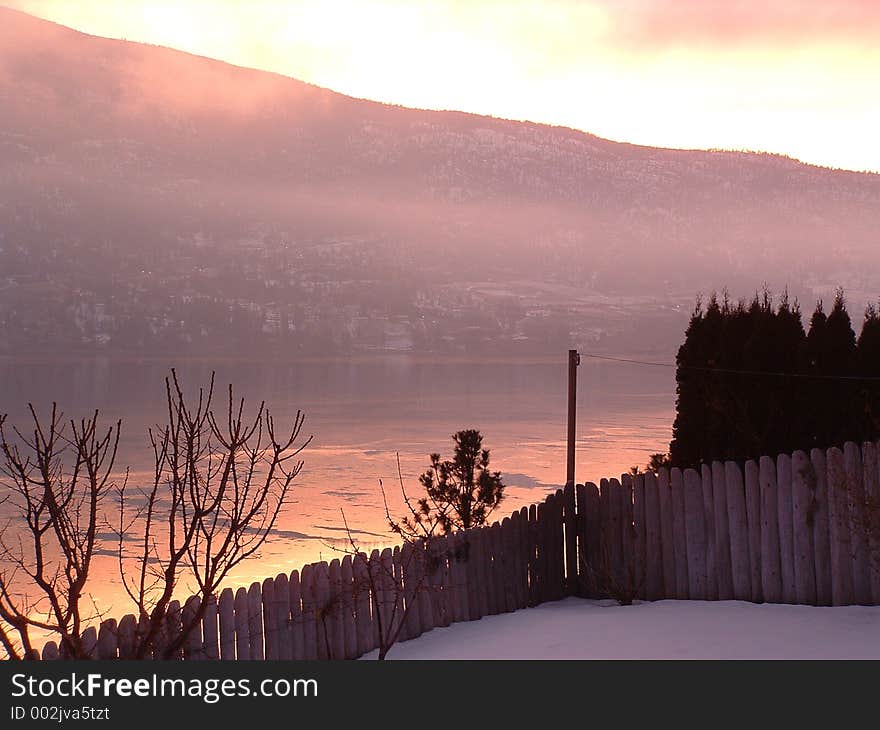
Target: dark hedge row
point(753, 381)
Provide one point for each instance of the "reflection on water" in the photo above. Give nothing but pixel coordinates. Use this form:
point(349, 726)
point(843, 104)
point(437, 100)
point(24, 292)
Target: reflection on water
point(363, 412)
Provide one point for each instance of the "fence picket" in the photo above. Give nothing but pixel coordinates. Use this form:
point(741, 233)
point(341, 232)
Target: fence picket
point(556, 552)
point(193, 641)
point(530, 541)
point(871, 523)
point(450, 580)
point(625, 495)
point(297, 621)
point(541, 558)
point(510, 542)
point(593, 510)
point(855, 482)
point(580, 517)
point(527, 537)
point(667, 533)
point(695, 535)
point(432, 583)
point(255, 621)
point(322, 601)
point(570, 524)
point(144, 648)
point(457, 581)
point(520, 577)
point(821, 530)
point(107, 639)
point(282, 617)
point(709, 522)
point(609, 540)
point(614, 538)
point(363, 604)
point(753, 526)
point(469, 551)
point(639, 559)
point(425, 598)
point(679, 532)
point(739, 532)
point(171, 634)
point(379, 628)
point(498, 567)
point(441, 556)
point(653, 540)
point(242, 637)
point(803, 486)
point(227, 624)
point(785, 515)
point(308, 617)
point(270, 627)
point(508, 562)
point(90, 642)
point(126, 636)
point(523, 556)
point(723, 563)
point(388, 574)
point(397, 606)
point(192, 644)
point(387, 594)
point(838, 529)
point(399, 594)
point(349, 625)
point(771, 575)
point(335, 628)
point(559, 544)
point(210, 649)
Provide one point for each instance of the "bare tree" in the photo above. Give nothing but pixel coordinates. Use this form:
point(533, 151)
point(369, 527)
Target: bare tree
point(394, 595)
point(218, 488)
point(57, 478)
point(219, 485)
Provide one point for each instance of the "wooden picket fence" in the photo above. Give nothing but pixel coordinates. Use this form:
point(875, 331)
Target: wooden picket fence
point(800, 528)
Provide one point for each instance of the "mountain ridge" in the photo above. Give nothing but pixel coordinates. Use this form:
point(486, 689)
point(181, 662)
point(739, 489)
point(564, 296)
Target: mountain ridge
point(37, 21)
point(141, 179)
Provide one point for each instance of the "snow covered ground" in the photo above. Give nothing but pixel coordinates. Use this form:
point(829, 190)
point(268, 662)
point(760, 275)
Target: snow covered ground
point(581, 629)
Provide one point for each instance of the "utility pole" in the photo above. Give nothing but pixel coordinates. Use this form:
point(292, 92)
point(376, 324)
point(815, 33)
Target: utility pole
point(574, 359)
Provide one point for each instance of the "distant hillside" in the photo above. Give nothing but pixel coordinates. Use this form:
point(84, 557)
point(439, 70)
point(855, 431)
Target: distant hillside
point(167, 195)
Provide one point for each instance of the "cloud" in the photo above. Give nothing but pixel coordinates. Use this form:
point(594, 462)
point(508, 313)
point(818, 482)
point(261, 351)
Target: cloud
point(663, 24)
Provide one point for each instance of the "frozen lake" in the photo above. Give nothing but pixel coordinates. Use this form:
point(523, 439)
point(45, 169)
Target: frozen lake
point(362, 412)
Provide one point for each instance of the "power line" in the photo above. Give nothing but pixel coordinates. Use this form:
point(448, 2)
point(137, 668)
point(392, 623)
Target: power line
point(731, 371)
point(624, 359)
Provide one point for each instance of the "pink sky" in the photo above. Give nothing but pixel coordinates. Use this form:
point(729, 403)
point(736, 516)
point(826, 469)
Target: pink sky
point(793, 76)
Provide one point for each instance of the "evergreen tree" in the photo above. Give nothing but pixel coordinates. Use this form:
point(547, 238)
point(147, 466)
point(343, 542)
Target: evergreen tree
point(459, 493)
point(751, 381)
point(815, 362)
point(867, 365)
point(739, 415)
point(784, 394)
point(689, 431)
point(839, 393)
